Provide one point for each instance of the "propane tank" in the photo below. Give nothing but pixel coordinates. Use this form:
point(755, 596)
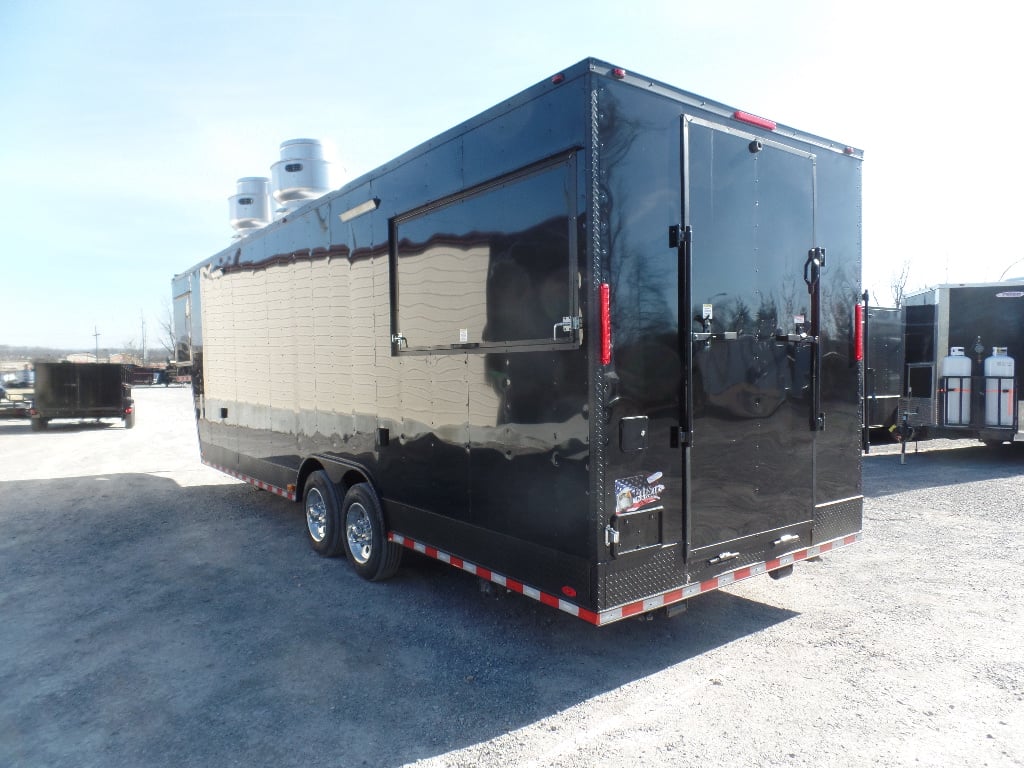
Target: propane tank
point(999, 390)
point(957, 366)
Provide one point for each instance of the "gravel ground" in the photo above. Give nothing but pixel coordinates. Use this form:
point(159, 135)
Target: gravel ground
point(154, 612)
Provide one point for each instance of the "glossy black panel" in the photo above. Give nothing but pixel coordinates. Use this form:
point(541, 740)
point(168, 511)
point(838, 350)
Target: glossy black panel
point(752, 217)
point(838, 226)
point(638, 198)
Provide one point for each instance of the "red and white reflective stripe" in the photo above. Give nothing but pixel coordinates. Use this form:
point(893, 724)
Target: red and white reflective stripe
point(284, 492)
point(630, 609)
point(497, 578)
point(691, 590)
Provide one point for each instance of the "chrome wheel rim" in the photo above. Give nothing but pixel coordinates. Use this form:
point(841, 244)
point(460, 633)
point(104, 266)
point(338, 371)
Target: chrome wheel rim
point(316, 515)
point(359, 533)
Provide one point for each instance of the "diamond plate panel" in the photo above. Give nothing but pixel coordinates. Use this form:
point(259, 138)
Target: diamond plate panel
point(838, 518)
point(625, 580)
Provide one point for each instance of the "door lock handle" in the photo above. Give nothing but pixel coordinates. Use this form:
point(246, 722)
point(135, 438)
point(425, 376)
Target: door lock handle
point(568, 325)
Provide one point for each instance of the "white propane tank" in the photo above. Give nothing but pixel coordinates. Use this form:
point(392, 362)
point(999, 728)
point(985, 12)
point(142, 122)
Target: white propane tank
point(999, 391)
point(958, 388)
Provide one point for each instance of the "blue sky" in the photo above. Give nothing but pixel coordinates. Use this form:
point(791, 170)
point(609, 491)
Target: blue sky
point(126, 124)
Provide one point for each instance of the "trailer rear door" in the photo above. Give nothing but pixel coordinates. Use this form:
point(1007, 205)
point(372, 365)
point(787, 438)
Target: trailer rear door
point(749, 208)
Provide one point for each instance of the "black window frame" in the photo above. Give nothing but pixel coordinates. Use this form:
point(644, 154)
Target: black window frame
point(565, 340)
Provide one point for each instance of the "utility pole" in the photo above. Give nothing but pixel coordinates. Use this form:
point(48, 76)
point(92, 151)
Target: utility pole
point(143, 318)
point(96, 335)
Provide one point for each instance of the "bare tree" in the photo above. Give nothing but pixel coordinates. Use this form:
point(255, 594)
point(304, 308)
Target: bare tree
point(899, 284)
point(166, 321)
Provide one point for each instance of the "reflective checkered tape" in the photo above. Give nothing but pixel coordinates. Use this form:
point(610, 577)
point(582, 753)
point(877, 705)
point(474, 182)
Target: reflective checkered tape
point(283, 492)
point(629, 609)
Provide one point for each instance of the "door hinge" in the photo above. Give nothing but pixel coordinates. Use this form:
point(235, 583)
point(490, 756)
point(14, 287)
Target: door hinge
point(678, 235)
point(611, 536)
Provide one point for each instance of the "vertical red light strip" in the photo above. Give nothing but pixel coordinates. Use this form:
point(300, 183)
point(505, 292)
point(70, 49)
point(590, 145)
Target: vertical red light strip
point(606, 324)
point(858, 332)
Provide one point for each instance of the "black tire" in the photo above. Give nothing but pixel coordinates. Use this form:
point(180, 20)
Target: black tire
point(129, 420)
point(366, 545)
point(323, 515)
point(38, 425)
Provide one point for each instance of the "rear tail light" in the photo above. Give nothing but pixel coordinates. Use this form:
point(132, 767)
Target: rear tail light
point(606, 324)
point(858, 332)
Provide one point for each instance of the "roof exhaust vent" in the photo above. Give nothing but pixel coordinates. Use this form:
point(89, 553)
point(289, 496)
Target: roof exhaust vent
point(299, 176)
point(250, 206)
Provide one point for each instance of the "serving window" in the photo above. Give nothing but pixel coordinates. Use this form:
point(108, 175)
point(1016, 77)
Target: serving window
point(492, 266)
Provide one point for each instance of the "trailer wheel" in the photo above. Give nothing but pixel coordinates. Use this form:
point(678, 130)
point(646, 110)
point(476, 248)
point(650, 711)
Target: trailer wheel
point(38, 425)
point(323, 514)
point(129, 420)
point(368, 550)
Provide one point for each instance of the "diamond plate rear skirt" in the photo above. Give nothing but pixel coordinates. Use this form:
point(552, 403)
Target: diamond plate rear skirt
point(837, 518)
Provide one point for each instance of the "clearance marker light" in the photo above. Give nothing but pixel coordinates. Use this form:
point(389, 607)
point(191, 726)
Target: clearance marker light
point(559, 78)
point(618, 73)
point(606, 324)
point(760, 122)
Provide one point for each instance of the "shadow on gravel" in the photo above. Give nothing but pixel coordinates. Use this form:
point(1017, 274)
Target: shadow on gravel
point(24, 426)
point(884, 475)
point(149, 624)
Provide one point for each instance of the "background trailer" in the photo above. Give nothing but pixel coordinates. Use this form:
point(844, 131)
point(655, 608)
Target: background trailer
point(595, 345)
point(962, 342)
point(81, 391)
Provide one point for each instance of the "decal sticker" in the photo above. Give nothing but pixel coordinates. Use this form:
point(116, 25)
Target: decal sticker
point(1010, 295)
point(637, 492)
point(463, 335)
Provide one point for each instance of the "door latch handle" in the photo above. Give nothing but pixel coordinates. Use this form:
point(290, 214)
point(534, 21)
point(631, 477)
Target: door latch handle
point(568, 325)
point(722, 557)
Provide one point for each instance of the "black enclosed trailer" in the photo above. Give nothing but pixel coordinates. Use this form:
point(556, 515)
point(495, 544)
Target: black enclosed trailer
point(81, 391)
point(883, 371)
point(595, 345)
point(962, 343)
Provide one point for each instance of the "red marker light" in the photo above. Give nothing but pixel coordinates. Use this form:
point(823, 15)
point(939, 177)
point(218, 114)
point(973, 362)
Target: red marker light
point(760, 122)
point(568, 591)
point(559, 78)
point(858, 332)
point(618, 73)
point(606, 324)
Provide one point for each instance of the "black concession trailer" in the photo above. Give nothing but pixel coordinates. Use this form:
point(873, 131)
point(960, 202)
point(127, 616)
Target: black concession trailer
point(962, 341)
point(595, 345)
point(81, 391)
